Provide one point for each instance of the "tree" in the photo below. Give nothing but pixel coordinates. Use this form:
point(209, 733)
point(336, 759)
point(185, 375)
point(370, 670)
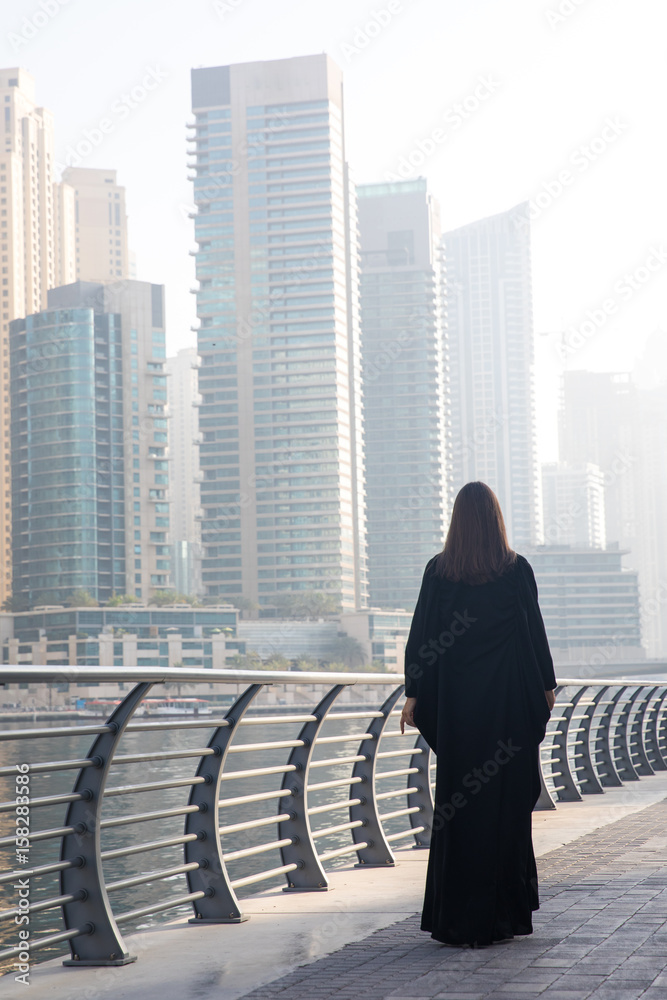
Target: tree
point(349, 651)
point(163, 597)
point(306, 604)
point(245, 605)
point(277, 662)
point(82, 599)
point(117, 599)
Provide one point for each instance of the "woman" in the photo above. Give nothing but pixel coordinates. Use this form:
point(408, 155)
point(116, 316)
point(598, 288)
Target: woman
point(480, 682)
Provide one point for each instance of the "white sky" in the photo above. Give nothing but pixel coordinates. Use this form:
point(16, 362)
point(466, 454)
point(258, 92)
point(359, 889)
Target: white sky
point(555, 87)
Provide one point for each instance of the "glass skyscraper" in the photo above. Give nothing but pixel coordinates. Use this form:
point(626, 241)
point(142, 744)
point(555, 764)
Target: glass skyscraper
point(405, 390)
point(280, 416)
point(490, 324)
point(89, 442)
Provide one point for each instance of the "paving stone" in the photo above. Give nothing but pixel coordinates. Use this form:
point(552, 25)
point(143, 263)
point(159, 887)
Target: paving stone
point(600, 934)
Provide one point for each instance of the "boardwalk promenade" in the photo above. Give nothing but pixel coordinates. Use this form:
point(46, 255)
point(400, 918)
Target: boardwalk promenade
point(601, 931)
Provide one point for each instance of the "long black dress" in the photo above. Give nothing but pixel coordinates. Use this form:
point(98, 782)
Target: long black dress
point(478, 662)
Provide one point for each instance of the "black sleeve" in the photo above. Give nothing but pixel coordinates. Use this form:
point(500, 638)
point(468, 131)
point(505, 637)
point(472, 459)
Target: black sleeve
point(415, 664)
point(536, 628)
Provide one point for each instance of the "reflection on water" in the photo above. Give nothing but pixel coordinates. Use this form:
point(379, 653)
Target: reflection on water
point(127, 899)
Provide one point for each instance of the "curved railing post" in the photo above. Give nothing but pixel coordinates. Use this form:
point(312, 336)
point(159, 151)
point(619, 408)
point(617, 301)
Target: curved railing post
point(620, 740)
point(220, 904)
point(103, 944)
point(560, 764)
point(422, 796)
point(309, 875)
point(661, 727)
point(584, 767)
point(603, 751)
point(376, 851)
point(650, 727)
point(636, 724)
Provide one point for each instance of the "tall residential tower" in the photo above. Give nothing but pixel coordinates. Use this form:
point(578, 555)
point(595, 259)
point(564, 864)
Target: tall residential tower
point(89, 440)
point(490, 321)
point(282, 489)
point(404, 386)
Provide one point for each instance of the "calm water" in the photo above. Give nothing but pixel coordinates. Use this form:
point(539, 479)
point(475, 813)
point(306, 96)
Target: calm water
point(63, 748)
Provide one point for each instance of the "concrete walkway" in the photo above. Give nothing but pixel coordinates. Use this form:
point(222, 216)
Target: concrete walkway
point(601, 931)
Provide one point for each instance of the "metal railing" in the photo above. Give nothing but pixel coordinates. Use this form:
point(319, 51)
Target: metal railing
point(600, 735)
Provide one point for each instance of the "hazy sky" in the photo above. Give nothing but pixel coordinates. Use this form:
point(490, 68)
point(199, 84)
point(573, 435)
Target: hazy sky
point(560, 102)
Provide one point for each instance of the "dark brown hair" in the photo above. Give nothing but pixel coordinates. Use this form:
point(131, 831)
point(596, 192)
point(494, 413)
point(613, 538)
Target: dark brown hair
point(476, 548)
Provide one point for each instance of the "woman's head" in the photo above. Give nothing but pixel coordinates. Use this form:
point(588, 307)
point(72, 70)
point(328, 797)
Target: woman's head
point(476, 549)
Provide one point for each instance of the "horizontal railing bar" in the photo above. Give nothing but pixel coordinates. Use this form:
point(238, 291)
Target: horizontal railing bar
point(393, 795)
point(252, 824)
point(58, 831)
point(354, 738)
point(105, 824)
point(336, 783)
point(405, 833)
point(330, 761)
point(271, 720)
point(37, 734)
point(57, 866)
point(276, 745)
point(141, 758)
point(209, 722)
point(51, 765)
point(342, 850)
point(148, 845)
point(354, 715)
point(14, 673)
point(397, 774)
point(316, 810)
point(249, 879)
point(248, 851)
point(126, 883)
point(409, 751)
point(257, 772)
point(153, 786)
point(400, 812)
point(46, 800)
point(158, 907)
point(239, 800)
point(46, 941)
point(340, 828)
point(44, 904)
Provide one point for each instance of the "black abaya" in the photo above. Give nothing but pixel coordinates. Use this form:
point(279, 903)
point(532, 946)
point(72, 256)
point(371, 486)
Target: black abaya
point(478, 662)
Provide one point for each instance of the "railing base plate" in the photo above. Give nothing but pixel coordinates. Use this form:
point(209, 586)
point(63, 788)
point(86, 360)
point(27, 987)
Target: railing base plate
point(124, 960)
point(375, 864)
point(219, 920)
point(313, 888)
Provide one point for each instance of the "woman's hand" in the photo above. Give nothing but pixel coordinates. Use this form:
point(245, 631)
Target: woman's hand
point(408, 714)
point(551, 699)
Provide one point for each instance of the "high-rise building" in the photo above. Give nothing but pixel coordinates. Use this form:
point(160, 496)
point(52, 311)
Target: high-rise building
point(36, 246)
point(100, 224)
point(573, 505)
point(404, 387)
point(590, 605)
point(90, 500)
point(184, 474)
point(281, 455)
point(490, 333)
point(598, 424)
